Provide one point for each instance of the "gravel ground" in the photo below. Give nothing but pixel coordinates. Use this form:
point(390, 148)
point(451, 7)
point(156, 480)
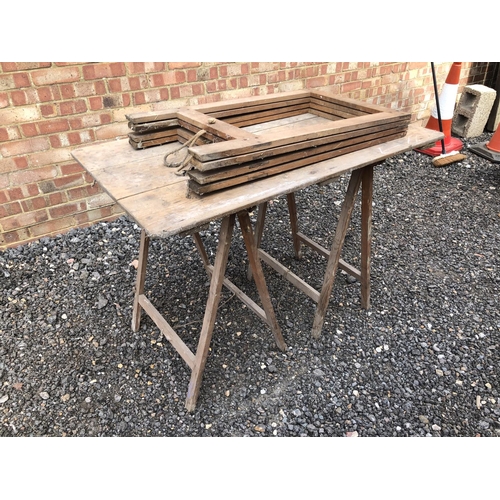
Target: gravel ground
point(423, 361)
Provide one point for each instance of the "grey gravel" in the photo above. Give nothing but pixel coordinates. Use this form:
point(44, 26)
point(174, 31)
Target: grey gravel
point(423, 361)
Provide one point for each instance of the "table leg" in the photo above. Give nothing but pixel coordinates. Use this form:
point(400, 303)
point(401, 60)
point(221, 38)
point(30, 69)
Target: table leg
point(259, 229)
point(366, 234)
point(258, 276)
point(216, 283)
point(139, 284)
point(334, 257)
point(292, 210)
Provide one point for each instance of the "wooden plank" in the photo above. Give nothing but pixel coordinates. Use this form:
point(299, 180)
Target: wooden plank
point(348, 268)
point(238, 103)
point(193, 130)
point(294, 224)
point(140, 280)
point(152, 116)
point(255, 107)
point(156, 134)
point(266, 172)
point(136, 177)
point(325, 115)
point(184, 135)
point(366, 233)
point(247, 119)
point(203, 176)
point(258, 277)
point(273, 139)
point(227, 283)
point(289, 275)
point(334, 257)
point(212, 125)
point(290, 148)
point(327, 94)
point(335, 109)
point(167, 331)
point(214, 295)
point(152, 126)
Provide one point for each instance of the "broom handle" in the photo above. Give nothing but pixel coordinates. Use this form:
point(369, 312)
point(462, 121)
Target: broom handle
point(437, 106)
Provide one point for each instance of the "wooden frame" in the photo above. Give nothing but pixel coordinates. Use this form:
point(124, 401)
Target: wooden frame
point(236, 147)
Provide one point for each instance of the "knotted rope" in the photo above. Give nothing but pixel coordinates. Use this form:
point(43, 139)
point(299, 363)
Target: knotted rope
point(182, 164)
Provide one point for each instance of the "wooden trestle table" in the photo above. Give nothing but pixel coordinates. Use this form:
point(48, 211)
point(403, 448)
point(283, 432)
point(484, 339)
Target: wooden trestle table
point(157, 200)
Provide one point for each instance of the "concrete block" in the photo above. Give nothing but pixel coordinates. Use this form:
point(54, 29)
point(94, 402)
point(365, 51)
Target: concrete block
point(473, 110)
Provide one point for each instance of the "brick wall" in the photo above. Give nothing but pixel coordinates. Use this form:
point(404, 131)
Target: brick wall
point(47, 109)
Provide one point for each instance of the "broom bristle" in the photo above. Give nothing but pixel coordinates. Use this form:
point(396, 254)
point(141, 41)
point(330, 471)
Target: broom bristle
point(443, 160)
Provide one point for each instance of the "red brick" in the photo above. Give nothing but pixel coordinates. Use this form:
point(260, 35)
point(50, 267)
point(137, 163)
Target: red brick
point(350, 87)
point(24, 220)
point(23, 66)
point(175, 93)
point(103, 70)
point(183, 65)
point(33, 204)
point(48, 110)
point(21, 80)
point(25, 146)
point(9, 239)
point(4, 100)
point(13, 133)
point(10, 209)
point(72, 168)
point(103, 213)
point(180, 77)
point(137, 83)
point(46, 94)
point(52, 227)
point(72, 107)
point(192, 75)
point(4, 135)
point(210, 87)
point(135, 67)
point(95, 103)
point(63, 210)
point(3, 197)
point(83, 191)
point(115, 85)
point(57, 198)
point(4, 181)
point(320, 81)
point(67, 91)
point(69, 181)
point(19, 97)
point(55, 75)
point(29, 129)
point(35, 175)
point(53, 126)
point(139, 98)
point(55, 141)
point(168, 78)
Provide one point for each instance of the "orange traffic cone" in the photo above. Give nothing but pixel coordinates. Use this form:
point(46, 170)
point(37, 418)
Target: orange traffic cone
point(447, 99)
point(490, 149)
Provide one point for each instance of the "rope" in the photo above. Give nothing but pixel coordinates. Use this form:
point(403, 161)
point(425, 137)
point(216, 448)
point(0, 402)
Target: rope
point(181, 165)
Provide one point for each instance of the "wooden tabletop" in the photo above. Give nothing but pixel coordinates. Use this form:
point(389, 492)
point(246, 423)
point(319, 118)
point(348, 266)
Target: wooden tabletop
point(157, 199)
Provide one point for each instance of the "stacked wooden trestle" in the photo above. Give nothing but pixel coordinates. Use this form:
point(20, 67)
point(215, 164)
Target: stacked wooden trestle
point(247, 139)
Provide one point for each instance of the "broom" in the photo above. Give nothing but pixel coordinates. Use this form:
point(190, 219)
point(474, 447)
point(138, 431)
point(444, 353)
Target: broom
point(445, 158)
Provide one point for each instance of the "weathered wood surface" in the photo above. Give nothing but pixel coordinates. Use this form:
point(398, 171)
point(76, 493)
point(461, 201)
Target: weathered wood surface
point(157, 199)
point(304, 158)
point(223, 122)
